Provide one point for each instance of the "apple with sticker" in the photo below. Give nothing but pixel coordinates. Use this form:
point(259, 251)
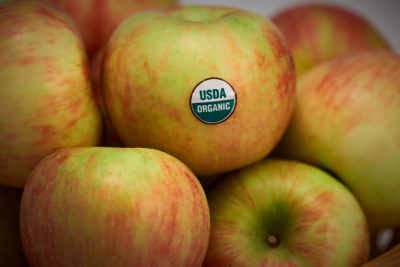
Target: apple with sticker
point(212, 86)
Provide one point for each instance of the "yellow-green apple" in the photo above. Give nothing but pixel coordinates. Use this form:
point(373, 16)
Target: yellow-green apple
point(109, 136)
point(212, 86)
point(45, 91)
point(102, 206)
point(11, 253)
point(279, 212)
point(320, 32)
point(97, 19)
point(347, 120)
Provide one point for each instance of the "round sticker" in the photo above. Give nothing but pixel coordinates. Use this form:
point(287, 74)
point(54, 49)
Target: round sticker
point(213, 100)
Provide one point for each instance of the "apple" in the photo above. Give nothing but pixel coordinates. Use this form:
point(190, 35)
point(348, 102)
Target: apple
point(320, 32)
point(278, 212)
point(97, 19)
point(347, 120)
point(11, 253)
point(103, 206)
point(212, 86)
point(109, 136)
point(47, 100)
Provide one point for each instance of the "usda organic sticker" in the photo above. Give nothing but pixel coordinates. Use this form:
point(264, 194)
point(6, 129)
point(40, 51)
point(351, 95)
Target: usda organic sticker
point(213, 100)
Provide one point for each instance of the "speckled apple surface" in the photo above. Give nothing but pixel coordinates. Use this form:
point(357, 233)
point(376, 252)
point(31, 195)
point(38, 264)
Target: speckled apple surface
point(113, 207)
point(347, 119)
point(285, 213)
point(45, 91)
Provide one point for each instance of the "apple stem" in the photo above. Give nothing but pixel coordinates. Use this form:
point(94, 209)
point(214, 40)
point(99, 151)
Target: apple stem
point(273, 240)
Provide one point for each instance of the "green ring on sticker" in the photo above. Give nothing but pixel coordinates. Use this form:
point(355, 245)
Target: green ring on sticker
point(213, 100)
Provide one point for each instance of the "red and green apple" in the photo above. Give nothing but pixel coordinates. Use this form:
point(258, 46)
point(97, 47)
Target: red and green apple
point(347, 120)
point(320, 32)
point(45, 91)
point(212, 86)
point(103, 206)
point(97, 19)
point(279, 212)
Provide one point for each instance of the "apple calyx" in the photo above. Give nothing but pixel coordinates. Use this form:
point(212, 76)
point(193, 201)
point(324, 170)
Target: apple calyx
point(273, 240)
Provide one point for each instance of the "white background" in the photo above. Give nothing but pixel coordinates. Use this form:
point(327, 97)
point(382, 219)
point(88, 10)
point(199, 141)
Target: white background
point(384, 14)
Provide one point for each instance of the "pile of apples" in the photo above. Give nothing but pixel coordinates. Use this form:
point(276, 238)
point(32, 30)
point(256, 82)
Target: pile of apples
point(152, 134)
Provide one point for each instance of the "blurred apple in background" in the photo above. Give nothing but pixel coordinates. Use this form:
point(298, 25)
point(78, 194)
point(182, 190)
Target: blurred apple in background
point(347, 120)
point(97, 19)
point(212, 86)
point(11, 253)
point(45, 91)
point(319, 32)
point(284, 213)
point(113, 207)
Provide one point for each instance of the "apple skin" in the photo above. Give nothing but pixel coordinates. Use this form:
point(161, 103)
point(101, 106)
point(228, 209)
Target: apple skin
point(110, 137)
point(113, 207)
point(11, 253)
point(347, 120)
point(153, 62)
point(317, 33)
point(47, 100)
point(316, 219)
point(97, 19)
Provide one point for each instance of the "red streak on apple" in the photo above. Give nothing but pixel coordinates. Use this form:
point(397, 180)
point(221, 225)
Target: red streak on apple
point(324, 235)
point(198, 208)
point(246, 197)
point(75, 104)
point(327, 90)
point(362, 243)
point(344, 20)
point(280, 49)
point(275, 41)
point(329, 85)
point(168, 241)
point(72, 123)
point(52, 70)
point(234, 253)
point(286, 20)
point(314, 210)
point(126, 102)
point(326, 229)
point(325, 198)
point(313, 253)
point(54, 21)
point(28, 60)
point(46, 134)
point(40, 189)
